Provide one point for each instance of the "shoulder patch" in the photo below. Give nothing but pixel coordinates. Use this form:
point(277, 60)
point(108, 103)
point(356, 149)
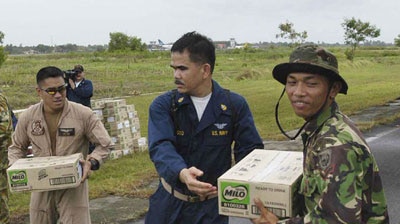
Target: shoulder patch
point(324, 158)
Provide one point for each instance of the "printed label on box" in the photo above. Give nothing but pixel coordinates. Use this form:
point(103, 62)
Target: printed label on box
point(235, 195)
point(18, 178)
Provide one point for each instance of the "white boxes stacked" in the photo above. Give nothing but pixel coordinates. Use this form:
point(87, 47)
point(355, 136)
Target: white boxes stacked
point(122, 123)
point(45, 173)
point(271, 175)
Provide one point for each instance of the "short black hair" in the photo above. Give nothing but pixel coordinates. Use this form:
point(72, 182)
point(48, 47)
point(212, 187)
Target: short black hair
point(48, 72)
point(200, 48)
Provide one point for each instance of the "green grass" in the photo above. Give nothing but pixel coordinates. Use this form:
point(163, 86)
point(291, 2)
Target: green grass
point(133, 172)
point(373, 79)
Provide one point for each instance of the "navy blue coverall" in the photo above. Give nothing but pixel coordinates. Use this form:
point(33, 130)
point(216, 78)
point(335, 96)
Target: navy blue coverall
point(82, 93)
point(205, 145)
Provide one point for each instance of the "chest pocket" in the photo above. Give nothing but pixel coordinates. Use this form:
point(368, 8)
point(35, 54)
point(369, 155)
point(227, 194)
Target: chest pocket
point(219, 133)
point(312, 183)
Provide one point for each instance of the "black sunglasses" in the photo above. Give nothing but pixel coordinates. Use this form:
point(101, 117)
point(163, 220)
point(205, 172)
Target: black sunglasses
point(53, 91)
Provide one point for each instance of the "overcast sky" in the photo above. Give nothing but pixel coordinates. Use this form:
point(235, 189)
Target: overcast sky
point(84, 22)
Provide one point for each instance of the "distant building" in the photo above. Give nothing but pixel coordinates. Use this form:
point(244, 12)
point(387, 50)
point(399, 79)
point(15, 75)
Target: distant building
point(232, 43)
point(220, 45)
point(31, 51)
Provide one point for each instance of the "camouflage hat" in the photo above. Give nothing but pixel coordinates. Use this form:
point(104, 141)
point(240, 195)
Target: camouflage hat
point(310, 59)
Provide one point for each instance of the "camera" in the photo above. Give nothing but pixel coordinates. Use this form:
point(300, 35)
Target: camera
point(70, 74)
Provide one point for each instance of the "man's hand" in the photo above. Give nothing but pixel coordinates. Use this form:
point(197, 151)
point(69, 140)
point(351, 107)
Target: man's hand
point(71, 83)
point(266, 216)
point(203, 189)
point(86, 169)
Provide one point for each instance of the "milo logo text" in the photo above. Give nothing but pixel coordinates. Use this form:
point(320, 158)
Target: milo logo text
point(18, 176)
point(235, 192)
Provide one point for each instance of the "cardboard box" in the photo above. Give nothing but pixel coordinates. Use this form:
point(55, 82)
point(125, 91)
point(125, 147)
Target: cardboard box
point(45, 173)
point(115, 103)
point(116, 153)
point(127, 152)
point(271, 175)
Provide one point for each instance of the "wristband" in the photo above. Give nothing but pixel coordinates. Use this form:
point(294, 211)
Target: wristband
point(95, 165)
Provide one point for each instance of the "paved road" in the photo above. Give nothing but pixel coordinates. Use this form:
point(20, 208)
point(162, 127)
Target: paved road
point(385, 145)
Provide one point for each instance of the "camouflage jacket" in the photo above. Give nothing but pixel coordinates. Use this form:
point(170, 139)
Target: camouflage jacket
point(5, 140)
point(341, 181)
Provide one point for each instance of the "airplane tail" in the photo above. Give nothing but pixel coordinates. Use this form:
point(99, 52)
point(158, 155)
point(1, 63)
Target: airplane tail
point(160, 42)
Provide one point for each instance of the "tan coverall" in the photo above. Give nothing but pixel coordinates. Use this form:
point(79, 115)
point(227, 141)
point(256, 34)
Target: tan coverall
point(76, 127)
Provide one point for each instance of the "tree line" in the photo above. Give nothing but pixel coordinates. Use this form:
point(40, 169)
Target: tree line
point(356, 32)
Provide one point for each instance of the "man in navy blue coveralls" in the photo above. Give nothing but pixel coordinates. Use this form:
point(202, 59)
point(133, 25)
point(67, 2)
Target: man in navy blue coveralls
point(191, 131)
point(79, 89)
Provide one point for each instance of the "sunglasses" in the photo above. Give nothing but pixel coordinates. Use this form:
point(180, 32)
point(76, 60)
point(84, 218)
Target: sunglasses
point(53, 91)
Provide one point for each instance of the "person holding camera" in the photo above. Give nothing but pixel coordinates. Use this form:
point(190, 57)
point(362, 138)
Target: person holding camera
point(79, 89)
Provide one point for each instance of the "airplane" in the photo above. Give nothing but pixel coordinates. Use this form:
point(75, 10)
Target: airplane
point(164, 46)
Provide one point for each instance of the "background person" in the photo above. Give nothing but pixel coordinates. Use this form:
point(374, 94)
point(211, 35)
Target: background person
point(80, 89)
point(58, 127)
point(341, 181)
point(5, 140)
point(191, 130)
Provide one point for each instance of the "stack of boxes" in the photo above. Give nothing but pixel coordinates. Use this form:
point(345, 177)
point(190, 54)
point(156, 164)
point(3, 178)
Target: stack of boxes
point(123, 126)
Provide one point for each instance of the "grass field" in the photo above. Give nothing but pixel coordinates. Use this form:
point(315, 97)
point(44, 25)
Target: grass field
point(373, 79)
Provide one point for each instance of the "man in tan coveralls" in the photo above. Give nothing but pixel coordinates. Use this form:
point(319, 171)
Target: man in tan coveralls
point(57, 127)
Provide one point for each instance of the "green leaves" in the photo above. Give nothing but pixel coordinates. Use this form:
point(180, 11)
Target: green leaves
point(357, 31)
point(122, 42)
point(288, 32)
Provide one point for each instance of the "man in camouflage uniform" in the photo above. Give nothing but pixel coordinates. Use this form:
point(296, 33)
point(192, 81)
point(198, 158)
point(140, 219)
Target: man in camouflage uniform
point(341, 181)
point(5, 140)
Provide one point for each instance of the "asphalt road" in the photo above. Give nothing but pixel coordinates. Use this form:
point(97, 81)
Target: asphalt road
point(384, 142)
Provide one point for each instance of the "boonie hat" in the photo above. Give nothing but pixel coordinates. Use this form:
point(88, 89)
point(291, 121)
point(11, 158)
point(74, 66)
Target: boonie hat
point(78, 68)
point(310, 59)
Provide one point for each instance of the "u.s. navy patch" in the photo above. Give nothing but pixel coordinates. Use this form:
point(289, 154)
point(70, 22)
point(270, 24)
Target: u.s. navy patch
point(324, 158)
point(37, 128)
point(66, 131)
point(220, 131)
